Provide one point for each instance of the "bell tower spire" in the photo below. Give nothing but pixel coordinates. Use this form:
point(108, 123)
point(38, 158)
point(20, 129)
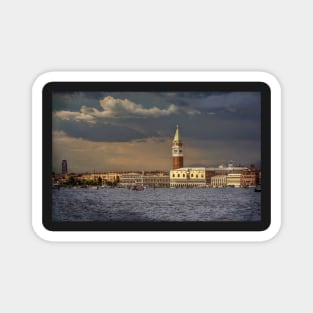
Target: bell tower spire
point(177, 150)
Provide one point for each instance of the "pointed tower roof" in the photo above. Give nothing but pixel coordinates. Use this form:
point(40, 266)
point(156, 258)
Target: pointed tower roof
point(177, 135)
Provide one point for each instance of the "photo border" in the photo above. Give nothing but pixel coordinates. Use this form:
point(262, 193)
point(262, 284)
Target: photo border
point(156, 81)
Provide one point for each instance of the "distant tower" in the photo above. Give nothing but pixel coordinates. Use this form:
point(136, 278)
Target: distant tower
point(177, 151)
point(64, 167)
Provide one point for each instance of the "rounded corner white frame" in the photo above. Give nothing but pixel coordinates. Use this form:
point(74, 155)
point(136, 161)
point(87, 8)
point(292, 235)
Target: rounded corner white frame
point(156, 236)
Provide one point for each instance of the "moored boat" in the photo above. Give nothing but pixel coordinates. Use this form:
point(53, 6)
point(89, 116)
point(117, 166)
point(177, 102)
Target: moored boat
point(138, 188)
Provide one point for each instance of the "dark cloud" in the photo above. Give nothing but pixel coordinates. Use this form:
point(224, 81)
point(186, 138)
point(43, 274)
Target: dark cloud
point(100, 132)
point(73, 101)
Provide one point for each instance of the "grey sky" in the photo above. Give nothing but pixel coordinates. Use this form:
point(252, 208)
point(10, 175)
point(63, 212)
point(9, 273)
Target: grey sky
point(133, 130)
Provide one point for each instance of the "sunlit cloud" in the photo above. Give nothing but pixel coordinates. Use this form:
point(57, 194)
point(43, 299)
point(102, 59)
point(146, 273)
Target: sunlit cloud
point(121, 108)
point(113, 107)
point(76, 116)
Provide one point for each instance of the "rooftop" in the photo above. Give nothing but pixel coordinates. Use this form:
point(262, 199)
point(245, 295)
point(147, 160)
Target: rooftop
point(211, 168)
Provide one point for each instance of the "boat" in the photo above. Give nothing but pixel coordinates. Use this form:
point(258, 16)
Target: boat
point(138, 188)
point(257, 188)
point(56, 186)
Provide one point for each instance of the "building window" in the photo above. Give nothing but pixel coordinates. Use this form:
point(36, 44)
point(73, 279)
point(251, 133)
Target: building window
point(173, 175)
point(183, 175)
point(191, 175)
point(178, 175)
point(202, 176)
point(197, 176)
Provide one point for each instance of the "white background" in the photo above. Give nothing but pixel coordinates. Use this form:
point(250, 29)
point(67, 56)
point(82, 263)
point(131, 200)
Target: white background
point(39, 36)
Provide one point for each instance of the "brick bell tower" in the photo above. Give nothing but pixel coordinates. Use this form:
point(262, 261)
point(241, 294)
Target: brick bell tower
point(177, 150)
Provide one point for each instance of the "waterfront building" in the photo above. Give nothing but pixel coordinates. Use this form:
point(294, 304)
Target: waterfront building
point(229, 170)
point(210, 177)
point(110, 177)
point(177, 150)
point(209, 173)
point(105, 177)
point(149, 179)
point(64, 167)
point(156, 180)
point(127, 179)
point(130, 179)
point(218, 181)
point(248, 179)
point(188, 177)
point(233, 180)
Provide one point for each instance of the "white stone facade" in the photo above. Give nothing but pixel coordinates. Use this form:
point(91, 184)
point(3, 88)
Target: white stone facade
point(188, 177)
point(130, 179)
point(234, 180)
point(218, 181)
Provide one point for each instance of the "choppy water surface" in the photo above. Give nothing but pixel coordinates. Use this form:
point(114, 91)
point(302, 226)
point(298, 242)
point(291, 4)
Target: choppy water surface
point(119, 204)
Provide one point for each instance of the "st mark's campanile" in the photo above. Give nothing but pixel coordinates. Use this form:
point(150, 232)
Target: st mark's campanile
point(177, 150)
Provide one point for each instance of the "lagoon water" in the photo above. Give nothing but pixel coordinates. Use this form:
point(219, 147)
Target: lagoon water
point(159, 204)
